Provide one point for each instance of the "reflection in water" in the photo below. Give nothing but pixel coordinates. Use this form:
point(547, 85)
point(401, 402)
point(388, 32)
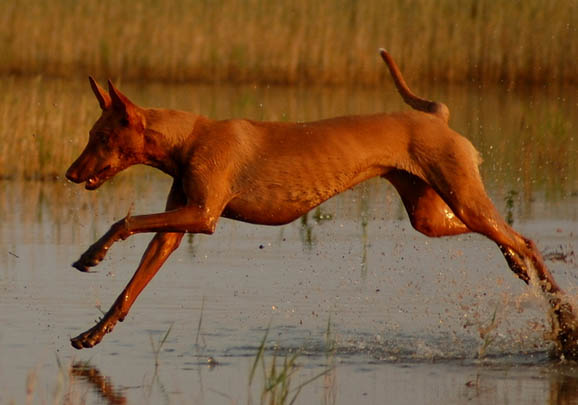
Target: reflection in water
point(564, 390)
point(306, 230)
point(484, 387)
point(58, 207)
point(102, 385)
point(529, 146)
point(107, 390)
point(364, 219)
point(526, 137)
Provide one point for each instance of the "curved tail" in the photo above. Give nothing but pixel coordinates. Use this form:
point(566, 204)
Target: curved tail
point(439, 109)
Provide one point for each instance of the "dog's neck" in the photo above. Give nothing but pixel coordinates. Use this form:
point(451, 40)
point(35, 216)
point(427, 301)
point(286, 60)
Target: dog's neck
point(166, 135)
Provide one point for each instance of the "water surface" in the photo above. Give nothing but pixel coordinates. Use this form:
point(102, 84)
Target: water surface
point(406, 313)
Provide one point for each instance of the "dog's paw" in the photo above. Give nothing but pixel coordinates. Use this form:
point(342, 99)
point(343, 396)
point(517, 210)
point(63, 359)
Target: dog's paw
point(80, 266)
point(92, 257)
point(91, 337)
point(87, 339)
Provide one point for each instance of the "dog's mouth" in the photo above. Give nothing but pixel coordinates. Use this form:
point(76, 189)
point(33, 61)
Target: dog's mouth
point(95, 181)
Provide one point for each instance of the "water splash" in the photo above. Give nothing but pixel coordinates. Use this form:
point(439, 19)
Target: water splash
point(564, 330)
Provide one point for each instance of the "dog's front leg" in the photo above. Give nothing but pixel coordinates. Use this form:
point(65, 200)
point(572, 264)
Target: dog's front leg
point(191, 218)
point(97, 251)
point(157, 252)
point(159, 249)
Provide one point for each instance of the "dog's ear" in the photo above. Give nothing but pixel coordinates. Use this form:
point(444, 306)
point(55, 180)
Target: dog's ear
point(120, 102)
point(100, 93)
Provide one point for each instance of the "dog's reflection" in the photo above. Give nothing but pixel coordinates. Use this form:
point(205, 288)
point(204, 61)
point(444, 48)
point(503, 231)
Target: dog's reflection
point(564, 390)
point(102, 385)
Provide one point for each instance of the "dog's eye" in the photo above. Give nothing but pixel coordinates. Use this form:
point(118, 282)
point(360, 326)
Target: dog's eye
point(124, 122)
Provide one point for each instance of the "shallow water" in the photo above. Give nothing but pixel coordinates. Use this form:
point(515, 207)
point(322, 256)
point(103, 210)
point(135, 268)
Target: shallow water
point(404, 311)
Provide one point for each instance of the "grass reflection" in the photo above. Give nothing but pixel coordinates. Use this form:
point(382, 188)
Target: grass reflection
point(527, 139)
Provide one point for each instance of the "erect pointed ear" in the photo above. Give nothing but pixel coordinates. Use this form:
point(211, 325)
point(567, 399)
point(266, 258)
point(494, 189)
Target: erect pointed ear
point(122, 105)
point(120, 102)
point(100, 93)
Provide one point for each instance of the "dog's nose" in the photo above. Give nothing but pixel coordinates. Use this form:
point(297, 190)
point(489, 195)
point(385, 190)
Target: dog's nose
point(72, 175)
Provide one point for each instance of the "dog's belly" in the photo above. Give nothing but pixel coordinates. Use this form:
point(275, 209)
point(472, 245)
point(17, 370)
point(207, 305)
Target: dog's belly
point(280, 215)
point(299, 166)
point(278, 203)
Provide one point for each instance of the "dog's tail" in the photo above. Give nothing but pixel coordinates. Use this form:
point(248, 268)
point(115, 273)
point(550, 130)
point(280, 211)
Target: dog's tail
point(439, 109)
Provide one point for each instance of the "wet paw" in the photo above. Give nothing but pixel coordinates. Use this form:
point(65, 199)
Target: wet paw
point(80, 266)
point(91, 337)
point(92, 257)
point(568, 344)
point(86, 340)
point(565, 331)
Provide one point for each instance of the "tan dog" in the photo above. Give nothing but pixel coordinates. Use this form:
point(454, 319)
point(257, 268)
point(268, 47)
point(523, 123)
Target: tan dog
point(272, 173)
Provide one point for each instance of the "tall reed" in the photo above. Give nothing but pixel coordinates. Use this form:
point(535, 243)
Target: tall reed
point(39, 127)
point(292, 41)
point(526, 137)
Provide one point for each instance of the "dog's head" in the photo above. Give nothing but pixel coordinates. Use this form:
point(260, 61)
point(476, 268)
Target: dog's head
point(116, 140)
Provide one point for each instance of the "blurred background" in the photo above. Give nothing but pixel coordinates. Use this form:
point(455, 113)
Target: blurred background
point(489, 54)
point(292, 41)
point(425, 320)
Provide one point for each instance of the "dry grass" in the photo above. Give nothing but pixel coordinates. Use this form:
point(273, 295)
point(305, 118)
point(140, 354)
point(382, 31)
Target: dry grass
point(292, 41)
point(37, 127)
point(526, 138)
point(43, 124)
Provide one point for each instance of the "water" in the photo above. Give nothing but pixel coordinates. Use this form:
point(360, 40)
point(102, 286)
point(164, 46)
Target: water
point(390, 315)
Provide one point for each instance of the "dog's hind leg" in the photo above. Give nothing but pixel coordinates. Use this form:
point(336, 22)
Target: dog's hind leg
point(430, 215)
point(463, 191)
point(427, 211)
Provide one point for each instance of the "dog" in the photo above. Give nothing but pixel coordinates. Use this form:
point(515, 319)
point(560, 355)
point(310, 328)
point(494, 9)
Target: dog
point(272, 173)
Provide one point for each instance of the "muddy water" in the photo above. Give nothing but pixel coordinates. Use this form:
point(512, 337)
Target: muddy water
point(389, 316)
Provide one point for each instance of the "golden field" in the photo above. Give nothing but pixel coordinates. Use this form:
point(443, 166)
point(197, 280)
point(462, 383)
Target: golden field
point(292, 41)
point(526, 137)
point(48, 49)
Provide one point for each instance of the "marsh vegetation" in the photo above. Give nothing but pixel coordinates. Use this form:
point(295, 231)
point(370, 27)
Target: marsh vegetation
point(292, 41)
point(446, 314)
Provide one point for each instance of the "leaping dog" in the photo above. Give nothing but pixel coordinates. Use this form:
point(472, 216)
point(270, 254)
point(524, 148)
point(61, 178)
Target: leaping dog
point(272, 173)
